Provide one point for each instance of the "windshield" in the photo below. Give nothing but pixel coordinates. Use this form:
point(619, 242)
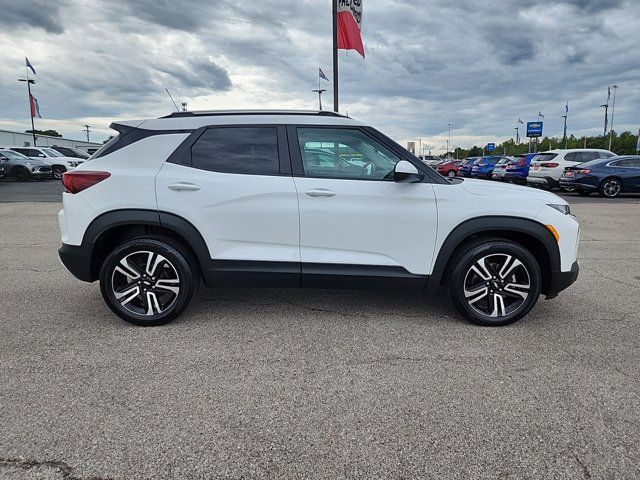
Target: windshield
point(544, 157)
point(11, 155)
point(50, 152)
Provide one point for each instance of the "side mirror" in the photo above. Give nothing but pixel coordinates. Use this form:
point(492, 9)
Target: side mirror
point(406, 172)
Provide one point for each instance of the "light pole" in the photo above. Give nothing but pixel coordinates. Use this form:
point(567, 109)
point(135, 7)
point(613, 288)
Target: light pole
point(613, 109)
point(606, 110)
point(449, 141)
point(86, 131)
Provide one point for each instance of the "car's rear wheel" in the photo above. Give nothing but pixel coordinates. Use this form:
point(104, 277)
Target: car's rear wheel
point(494, 282)
point(148, 281)
point(611, 188)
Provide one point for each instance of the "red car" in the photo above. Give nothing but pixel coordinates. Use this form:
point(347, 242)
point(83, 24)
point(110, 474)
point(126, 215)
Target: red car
point(449, 168)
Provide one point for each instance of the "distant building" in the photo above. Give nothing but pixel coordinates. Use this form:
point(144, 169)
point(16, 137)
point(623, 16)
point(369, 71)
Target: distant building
point(21, 139)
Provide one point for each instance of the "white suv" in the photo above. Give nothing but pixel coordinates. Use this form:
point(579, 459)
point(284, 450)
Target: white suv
point(301, 199)
point(59, 163)
point(547, 167)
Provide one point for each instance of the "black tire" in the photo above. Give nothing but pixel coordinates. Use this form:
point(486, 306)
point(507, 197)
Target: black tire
point(20, 174)
point(170, 263)
point(57, 171)
point(582, 192)
point(515, 300)
point(610, 188)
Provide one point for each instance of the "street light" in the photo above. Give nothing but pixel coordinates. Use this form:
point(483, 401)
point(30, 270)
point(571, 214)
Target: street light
point(613, 109)
point(449, 141)
point(606, 110)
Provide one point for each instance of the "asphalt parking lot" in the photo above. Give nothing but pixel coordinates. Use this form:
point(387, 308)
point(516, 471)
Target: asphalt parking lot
point(318, 383)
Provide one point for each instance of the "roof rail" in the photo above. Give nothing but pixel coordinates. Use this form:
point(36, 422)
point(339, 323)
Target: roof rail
point(212, 113)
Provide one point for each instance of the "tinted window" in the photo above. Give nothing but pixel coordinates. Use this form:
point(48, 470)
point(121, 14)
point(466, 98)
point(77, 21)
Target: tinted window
point(544, 157)
point(628, 162)
point(29, 152)
point(586, 156)
point(573, 157)
point(248, 150)
point(344, 153)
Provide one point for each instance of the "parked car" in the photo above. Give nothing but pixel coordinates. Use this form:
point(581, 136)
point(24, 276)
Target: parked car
point(23, 168)
point(58, 162)
point(547, 167)
point(465, 167)
point(609, 176)
point(448, 169)
point(71, 152)
point(483, 168)
point(3, 170)
point(518, 170)
point(233, 202)
point(500, 168)
point(430, 159)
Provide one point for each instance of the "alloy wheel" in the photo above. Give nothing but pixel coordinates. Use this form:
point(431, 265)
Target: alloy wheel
point(611, 188)
point(145, 283)
point(57, 172)
point(451, 174)
point(497, 285)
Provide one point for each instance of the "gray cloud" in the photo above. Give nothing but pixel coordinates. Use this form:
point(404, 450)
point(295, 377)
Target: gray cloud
point(42, 14)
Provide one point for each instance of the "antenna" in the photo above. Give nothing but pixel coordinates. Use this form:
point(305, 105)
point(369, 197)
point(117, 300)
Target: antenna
point(174, 103)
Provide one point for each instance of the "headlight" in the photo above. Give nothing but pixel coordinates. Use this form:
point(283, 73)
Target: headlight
point(561, 208)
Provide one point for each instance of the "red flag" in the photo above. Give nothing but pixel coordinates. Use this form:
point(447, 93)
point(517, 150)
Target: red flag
point(35, 108)
point(349, 25)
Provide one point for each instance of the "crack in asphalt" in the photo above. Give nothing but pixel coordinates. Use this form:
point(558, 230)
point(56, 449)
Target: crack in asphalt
point(62, 468)
point(610, 278)
point(585, 469)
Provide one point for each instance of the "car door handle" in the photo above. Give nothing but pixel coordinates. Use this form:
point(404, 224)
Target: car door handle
point(319, 192)
point(184, 187)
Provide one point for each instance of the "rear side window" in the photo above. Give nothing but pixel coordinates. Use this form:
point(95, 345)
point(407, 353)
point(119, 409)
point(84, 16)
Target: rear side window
point(29, 152)
point(245, 150)
point(628, 162)
point(544, 157)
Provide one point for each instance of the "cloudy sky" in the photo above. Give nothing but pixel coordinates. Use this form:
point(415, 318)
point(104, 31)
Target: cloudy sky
point(477, 65)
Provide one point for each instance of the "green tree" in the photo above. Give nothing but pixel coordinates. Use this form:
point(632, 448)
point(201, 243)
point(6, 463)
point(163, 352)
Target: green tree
point(49, 133)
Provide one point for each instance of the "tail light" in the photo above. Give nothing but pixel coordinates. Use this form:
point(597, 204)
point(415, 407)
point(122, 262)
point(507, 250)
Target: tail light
point(584, 171)
point(549, 165)
point(75, 182)
point(521, 163)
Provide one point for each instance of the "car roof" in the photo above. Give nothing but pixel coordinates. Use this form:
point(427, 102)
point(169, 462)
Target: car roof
point(565, 150)
point(196, 119)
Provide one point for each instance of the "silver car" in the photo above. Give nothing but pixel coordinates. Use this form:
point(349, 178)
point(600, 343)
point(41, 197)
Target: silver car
point(500, 169)
point(23, 168)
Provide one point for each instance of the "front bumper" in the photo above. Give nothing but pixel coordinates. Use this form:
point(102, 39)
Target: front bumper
point(561, 280)
point(77, 259)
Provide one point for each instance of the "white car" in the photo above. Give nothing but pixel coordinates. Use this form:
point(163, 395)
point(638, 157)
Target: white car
point(500, 169)
point(273, 199)
point(547, 167)
point(59, 163)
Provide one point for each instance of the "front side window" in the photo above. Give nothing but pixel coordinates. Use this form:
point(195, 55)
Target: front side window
point(50, 152)
point(244, 150)
point(344, 153)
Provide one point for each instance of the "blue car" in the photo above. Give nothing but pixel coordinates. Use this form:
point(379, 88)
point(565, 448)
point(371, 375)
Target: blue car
point(483, 168)
point(608, 176)
point(466, 165)
point(518, 171)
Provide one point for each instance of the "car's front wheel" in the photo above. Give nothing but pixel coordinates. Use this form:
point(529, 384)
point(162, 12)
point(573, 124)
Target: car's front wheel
point(451, 173)
point(494, 282)
point(58, 170)
point(148, 281)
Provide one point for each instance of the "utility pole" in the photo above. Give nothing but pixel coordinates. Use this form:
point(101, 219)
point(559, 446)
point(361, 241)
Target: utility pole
point(613, 109)
point(29, 83)
point(449, 141)
point(334, 15)
point(86, 131)
point(564, 136)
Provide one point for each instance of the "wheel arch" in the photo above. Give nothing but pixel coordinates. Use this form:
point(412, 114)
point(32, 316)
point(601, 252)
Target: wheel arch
point(112, 228)
point(530, 234)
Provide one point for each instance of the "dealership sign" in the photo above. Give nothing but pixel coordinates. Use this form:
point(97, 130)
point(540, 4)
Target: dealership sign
point(534, 129)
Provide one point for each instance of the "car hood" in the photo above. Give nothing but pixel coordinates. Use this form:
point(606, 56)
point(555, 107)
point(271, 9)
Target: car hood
point(485, 188)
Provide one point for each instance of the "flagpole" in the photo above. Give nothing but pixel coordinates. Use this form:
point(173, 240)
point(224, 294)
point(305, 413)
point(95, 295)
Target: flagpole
point(29, 82)
point(334, 15)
